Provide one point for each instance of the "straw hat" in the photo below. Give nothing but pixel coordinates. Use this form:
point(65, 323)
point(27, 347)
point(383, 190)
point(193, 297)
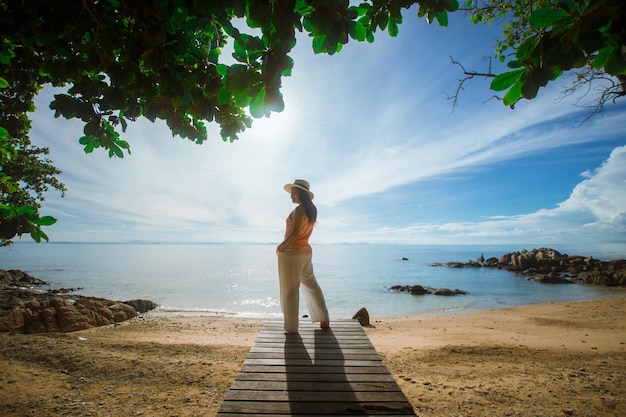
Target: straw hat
point(301, 184)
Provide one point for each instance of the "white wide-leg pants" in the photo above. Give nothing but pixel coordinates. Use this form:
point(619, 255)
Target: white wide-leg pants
point(294, 270)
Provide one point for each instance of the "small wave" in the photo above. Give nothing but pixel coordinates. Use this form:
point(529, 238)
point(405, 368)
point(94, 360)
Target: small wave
point(166, 311)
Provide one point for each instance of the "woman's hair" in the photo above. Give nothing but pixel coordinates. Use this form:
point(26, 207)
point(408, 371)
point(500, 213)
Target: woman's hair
point(309, 207)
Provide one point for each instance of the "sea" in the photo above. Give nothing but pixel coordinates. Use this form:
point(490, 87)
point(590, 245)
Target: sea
point(241, 280)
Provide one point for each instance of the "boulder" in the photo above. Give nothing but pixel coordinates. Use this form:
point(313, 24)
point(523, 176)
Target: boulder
point(362, 316)
point(417, 290)
point(19, 279)
point(142, 305)
point(448, 292)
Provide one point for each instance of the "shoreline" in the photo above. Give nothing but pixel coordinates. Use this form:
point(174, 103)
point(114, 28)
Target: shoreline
point(558, 359)
point(181, 312)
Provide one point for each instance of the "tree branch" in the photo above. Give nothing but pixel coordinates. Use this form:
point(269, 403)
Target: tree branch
point(469, 75)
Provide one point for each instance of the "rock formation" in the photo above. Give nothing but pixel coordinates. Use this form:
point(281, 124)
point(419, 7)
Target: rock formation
point(26, 310)
point(419, 290)
point(549, 266)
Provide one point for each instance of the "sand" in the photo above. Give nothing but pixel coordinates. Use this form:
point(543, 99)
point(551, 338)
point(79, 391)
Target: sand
point(564, 359)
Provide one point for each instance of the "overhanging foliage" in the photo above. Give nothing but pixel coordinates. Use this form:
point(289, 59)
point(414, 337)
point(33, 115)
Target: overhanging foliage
point(120, 60)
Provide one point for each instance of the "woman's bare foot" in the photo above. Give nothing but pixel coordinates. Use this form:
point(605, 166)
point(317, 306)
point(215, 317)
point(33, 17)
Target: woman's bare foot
point(325, 325)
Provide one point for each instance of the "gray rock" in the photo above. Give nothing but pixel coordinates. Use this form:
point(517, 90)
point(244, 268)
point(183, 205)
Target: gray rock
point(362, 316)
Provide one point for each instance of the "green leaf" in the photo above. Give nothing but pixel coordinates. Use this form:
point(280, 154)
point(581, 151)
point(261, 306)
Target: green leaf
point(530, 87)
point(224, 95)
point(287, 71)
point(3, 83)
point(357, 31)
point(505, 80)
point(442, 18)
point(45, 221)
point(527, 47)
point(5, 210)
point(214, 55)
point(546, 17)
point(513, 95)
point(392, 27)
point(222, 69)
point(3, 133)
point(603, 55)
point(257, 106)
point(28, 209)
point(302, 7)
point(514, 64)
point(318, 44)
point(37, 234)
point(615, 63)
point(91, 144)
point(382, 20)
point(116, 151)
point(253, 43)
point(123, 144)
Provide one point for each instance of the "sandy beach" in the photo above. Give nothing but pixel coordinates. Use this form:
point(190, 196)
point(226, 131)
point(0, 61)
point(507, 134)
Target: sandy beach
point(564, 359)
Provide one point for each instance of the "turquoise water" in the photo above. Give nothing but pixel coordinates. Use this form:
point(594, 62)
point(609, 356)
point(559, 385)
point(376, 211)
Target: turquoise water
point(242, 280)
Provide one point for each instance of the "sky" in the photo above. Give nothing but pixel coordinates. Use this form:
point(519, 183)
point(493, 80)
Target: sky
point(389, 158)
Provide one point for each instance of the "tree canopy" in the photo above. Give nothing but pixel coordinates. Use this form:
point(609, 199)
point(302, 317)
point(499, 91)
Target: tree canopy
point(162, 59)
point(543, 39)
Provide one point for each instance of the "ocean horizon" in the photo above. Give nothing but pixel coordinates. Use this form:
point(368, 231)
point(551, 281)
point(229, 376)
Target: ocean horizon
point(240, 279)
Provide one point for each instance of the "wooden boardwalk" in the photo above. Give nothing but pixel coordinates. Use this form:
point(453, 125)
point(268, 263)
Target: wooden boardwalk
point(331, 372)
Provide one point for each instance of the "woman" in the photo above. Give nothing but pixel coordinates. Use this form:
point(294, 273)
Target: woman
point(294, 261)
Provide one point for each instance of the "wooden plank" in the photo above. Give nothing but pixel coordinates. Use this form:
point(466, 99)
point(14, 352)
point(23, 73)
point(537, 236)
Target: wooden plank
point(288, 415)
point(316, 407)
point(332, 372)
point(315, 369)
point(359, 386)
point(315, 334)
point(330, 354)
point(313, 396)
point(289, 361)
point(312, 347)
point(330, 336)
point(260, 376)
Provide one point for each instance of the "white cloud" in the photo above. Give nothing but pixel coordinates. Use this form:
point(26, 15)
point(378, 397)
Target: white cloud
point(594, 213)
point(602, 193)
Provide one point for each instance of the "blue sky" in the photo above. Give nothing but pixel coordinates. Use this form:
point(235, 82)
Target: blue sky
point(387, 156)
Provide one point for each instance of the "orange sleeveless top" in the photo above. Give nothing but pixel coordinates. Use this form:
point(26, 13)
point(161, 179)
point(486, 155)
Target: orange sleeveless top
point(300, 246)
